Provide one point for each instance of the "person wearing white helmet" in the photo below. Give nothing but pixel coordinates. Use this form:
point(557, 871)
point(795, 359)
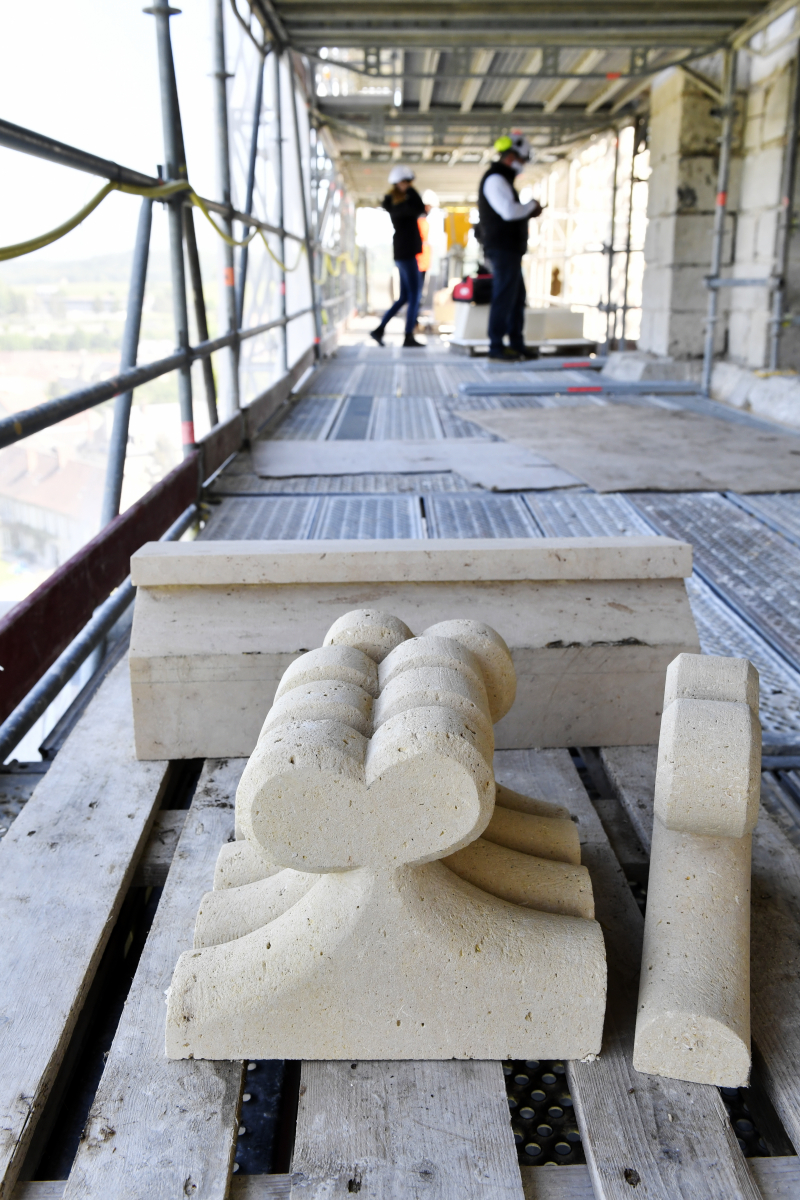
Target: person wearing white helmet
point(504, 233)
point(404, 205)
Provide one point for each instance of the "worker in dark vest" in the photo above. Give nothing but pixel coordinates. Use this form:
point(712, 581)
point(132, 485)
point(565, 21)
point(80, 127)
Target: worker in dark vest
point(504, 232)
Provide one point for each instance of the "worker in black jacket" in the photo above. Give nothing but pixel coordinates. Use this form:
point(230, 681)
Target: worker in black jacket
point(504, 231)
point(404, 205)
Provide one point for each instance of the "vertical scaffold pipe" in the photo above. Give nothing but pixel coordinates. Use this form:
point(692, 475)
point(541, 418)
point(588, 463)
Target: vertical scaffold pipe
point(174, 169)
point(611, 320)
point(224, 171)
point(115, 466)
point(315, 300)
point(281, 208)
point(241, 277)
point(723, 175)
point(195, 275)
point(784, 235)
point(626, 278)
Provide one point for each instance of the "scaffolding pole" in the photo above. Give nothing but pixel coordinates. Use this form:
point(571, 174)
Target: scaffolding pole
point(195, 275)
point(304, 206)
point(115, 466)
point(251, 183)
point(784, 237)
point(175, 169)
point(279, 194)
point(609, 317)
point(723, 175)
point(224, 170)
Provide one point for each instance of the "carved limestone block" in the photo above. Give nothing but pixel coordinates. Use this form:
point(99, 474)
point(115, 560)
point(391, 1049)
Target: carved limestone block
point(332, 931)
point(693, 1021)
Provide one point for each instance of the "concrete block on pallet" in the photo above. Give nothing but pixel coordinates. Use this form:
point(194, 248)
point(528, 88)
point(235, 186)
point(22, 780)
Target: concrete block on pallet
point(593, 625)
point(693, 1021)
point(373, 949)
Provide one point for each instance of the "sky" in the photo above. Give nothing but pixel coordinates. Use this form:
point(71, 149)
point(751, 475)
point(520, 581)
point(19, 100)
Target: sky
point(86, 74)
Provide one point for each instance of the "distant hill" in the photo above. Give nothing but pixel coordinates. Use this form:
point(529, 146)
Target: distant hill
point(104, 268)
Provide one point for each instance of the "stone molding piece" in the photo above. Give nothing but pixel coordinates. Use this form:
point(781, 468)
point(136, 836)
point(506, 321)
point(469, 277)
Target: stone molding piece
point(693, 1021)
point(709, 754)
point(332, 931)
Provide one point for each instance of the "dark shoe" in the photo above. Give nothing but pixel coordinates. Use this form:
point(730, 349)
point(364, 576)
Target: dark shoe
point(377, 334)
point(507, 355)
point(526, 351)
point(412, 341)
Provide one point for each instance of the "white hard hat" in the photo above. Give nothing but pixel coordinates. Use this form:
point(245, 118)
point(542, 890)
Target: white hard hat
point(516, 142)
point(399, 173)
point(430, 197)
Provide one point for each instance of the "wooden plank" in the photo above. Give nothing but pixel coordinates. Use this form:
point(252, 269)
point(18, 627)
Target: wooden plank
point(405, 1130)
point(35, 631)
point(157, 856)
point(160, 1128)
point(632, 772)
point(261, 1187)
point(557, 1183)
point(774, 934)
point(778, 1179)
point(65, 865)
point(666, 1138)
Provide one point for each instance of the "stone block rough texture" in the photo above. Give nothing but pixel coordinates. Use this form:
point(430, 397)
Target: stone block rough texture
point(693, 1019)
point(360, 914)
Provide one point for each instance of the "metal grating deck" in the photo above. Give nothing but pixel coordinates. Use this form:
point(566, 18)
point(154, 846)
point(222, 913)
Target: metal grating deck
point(404, 418)
point(479, 516)
point(261, 519)
point(369, 517)
point(753, 568)
point(379, 482)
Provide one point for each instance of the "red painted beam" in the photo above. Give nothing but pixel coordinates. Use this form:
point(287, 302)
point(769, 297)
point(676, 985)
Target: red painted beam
point(40, 627)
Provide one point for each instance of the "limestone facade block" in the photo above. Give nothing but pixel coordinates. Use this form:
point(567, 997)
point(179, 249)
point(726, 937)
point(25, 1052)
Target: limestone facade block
point(592, 628)
point(374, 949)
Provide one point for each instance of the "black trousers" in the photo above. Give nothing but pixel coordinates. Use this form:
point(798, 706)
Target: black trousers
point(507, 314)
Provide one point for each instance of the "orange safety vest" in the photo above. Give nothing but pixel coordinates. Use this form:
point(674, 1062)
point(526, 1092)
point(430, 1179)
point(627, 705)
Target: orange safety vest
point(424, 256)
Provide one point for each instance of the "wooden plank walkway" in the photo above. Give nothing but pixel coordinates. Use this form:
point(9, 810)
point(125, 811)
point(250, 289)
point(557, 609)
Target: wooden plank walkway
point(404, 1129)
point(159, 1128)
point(775, 931)
point(664, 1138)
point(85, 824)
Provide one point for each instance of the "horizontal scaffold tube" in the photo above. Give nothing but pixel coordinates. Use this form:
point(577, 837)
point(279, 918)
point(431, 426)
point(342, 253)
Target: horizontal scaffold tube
point(26, 141)
point(42, 416)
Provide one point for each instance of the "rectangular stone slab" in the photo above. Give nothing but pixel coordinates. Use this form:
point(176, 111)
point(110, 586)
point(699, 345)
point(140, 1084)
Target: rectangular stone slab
point(393, 560)
point(205, 661)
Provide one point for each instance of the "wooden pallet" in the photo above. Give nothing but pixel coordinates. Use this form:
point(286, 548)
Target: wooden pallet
point(163, 1129)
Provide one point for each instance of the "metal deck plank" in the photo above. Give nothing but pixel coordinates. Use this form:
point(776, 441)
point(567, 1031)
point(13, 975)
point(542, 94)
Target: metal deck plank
point(368, 517)
point(775, 930)
point(479, 516)
point(667, 1139)
point(261, 518)
point(161, 1128)
point(87, 821)
point(721, 630)
point(376, 482)
point(753, 568)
